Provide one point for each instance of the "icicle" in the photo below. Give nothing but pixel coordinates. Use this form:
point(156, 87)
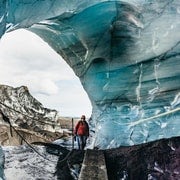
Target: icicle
point(156, 67)
point(138, 89)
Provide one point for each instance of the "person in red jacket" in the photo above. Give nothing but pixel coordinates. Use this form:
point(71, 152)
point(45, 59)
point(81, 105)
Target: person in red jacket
point(82, 132)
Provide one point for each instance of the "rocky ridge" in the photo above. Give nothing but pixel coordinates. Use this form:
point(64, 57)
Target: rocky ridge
point(27, 116)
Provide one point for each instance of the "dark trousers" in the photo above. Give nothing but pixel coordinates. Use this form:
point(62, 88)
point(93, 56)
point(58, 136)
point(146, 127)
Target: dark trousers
point(81, 142)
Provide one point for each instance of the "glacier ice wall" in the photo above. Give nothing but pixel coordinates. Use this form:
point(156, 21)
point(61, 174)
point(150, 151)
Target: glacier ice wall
point(126, 54)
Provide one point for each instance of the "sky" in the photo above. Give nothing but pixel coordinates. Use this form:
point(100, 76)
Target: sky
point(25, 59)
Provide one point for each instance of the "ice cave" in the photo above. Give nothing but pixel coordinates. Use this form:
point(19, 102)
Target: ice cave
point(126, 55)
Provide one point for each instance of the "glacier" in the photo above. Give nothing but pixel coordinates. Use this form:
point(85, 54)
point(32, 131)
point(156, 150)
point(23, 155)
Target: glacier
point(126, 55)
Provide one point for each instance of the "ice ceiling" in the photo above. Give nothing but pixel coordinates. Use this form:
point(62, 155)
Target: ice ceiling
point(126, 54)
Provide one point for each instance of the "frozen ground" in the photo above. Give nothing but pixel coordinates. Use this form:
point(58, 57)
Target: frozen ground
point(22, 163)
point(149, 161)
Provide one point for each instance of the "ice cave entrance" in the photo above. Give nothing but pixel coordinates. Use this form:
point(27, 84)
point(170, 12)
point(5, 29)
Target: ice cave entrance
point(25, 59)
point(126, 55)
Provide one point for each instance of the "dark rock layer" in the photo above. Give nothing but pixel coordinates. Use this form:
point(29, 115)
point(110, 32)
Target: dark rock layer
point(155, 160)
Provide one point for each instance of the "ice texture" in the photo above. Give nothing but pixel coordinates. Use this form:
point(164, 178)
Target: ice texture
point(126, 54)
point(2, 159)
point(22, 163)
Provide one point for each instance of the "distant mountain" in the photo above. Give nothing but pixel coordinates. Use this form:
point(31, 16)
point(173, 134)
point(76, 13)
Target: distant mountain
point(27, 114)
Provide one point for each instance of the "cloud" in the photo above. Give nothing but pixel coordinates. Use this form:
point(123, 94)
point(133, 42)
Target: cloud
point(25, 59)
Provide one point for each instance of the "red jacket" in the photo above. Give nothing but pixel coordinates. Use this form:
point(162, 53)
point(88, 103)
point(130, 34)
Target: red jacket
point(82, 128)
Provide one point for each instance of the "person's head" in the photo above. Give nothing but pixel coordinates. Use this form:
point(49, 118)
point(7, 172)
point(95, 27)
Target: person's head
point(83, 117)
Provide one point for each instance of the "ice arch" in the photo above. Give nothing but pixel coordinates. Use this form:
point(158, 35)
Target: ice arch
point(126, 54)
